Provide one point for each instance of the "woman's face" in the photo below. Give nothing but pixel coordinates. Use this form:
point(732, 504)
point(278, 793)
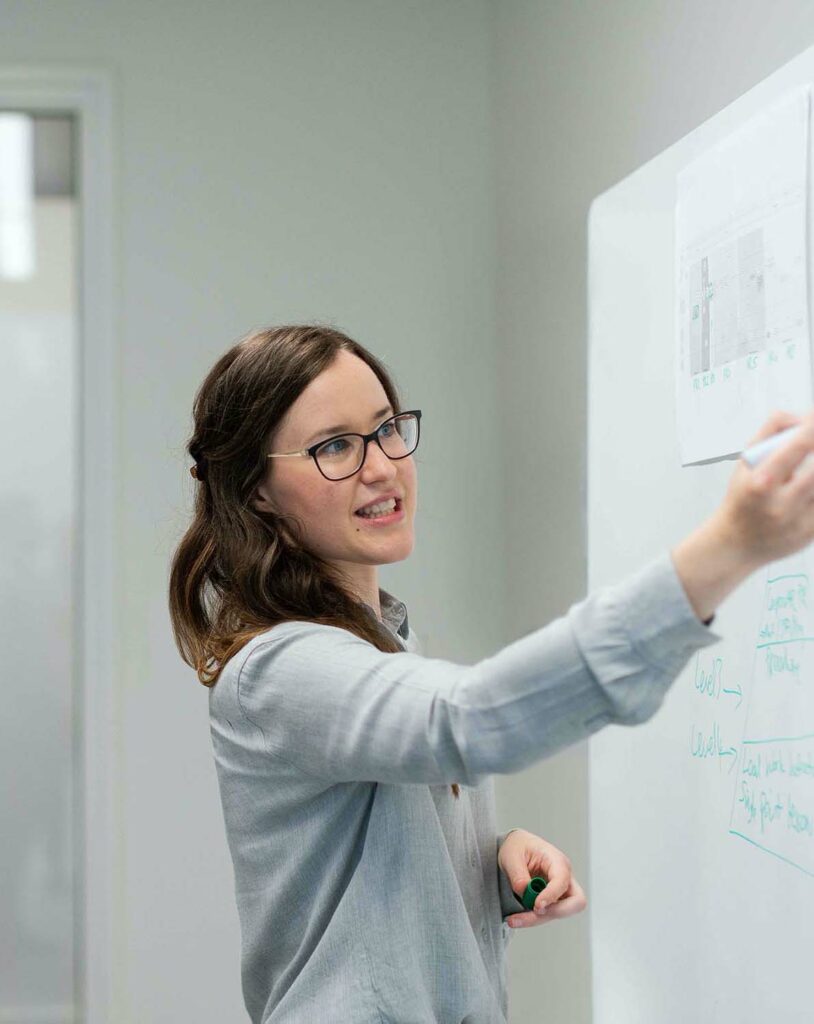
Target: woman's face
point(345, 397)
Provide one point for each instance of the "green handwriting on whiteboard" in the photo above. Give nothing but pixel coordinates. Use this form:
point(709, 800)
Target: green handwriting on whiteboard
point(707, 743)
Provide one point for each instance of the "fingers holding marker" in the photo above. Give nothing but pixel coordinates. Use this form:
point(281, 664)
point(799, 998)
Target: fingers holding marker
point(765, 512)
point(776, 423)
point(801, 487)
point(572, 902)
point(529, 899)
point(551, 866)
point(781, 466)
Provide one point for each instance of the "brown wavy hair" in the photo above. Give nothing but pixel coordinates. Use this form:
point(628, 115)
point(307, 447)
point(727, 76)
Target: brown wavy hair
point(237, 570)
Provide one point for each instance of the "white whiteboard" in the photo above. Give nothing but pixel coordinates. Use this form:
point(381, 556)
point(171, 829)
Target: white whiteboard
point(701, 903)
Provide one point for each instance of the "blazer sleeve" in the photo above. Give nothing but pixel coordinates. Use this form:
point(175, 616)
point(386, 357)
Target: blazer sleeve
point(338, 709)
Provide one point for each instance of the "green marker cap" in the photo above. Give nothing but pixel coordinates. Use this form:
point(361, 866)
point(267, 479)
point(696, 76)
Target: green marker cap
point(533, 890)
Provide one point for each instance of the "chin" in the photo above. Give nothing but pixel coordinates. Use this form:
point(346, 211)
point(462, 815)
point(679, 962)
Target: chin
point(395, 558)
point(396, 554)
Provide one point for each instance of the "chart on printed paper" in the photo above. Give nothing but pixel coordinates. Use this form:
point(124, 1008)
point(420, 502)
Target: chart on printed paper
point(742, 305)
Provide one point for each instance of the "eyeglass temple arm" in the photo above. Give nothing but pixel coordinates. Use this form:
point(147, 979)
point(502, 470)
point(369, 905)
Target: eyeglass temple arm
point(285, 455)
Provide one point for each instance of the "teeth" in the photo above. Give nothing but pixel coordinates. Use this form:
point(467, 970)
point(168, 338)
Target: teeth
point(380, 509)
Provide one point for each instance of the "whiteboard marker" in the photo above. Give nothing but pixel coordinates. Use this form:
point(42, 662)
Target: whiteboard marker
point(763, 449)
point(532, 891)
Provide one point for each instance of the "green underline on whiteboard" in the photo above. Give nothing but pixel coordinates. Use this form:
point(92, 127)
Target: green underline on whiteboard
point(795, 640)
point(766, 849)
point(781, 739)
point(791, 576)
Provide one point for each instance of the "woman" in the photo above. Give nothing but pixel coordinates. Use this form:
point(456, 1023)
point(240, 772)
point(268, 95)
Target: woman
point(355, 774)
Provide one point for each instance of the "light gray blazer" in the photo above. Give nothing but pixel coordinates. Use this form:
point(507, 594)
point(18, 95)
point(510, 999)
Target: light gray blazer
point(367, 893)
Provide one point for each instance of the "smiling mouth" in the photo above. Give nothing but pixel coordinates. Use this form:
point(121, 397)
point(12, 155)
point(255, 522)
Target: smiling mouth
point(385, 509)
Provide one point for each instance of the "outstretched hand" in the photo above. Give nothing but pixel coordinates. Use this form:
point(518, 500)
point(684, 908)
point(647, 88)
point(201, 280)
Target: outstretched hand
point(523, 856)
point(767, 514)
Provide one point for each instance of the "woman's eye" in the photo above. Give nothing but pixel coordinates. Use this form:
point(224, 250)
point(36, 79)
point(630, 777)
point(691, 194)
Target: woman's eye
point(337, 447)
point(387, 429)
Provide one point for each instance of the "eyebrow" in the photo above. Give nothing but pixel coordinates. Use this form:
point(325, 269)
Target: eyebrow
point(342, 427)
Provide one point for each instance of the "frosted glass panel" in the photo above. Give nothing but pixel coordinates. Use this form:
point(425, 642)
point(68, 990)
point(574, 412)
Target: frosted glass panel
point(38, 559)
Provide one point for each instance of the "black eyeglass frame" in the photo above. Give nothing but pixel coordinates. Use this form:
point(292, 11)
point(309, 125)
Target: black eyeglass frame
point(311, 452)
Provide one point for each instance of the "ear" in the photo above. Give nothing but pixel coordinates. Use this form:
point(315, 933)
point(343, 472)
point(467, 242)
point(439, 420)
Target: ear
point(261, 501)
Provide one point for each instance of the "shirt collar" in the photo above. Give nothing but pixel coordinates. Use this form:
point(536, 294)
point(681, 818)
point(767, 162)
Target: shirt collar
point(394, 614)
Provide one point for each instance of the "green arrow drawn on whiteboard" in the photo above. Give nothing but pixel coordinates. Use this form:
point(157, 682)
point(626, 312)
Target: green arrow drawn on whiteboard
point(739, 692)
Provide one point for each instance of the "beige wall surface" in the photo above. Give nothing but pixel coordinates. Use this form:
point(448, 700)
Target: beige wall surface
point(417, 172)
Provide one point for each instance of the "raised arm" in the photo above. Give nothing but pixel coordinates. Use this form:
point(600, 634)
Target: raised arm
point(338, 709)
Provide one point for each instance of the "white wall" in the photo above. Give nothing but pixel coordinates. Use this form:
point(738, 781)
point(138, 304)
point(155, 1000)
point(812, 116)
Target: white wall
point(276, 162)
point(585, 93)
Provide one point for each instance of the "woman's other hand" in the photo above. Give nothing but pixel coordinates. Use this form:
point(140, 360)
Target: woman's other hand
point(523, 856)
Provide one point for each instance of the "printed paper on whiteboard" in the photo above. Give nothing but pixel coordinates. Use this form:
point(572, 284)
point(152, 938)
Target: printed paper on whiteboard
point(742, 308)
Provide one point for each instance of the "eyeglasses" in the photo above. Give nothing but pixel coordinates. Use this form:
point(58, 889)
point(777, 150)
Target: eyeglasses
point(343, 455)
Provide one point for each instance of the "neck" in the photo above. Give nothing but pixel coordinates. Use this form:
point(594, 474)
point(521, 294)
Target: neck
point(363, 581)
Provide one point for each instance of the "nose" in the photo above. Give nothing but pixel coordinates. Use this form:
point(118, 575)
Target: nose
point(377, 466)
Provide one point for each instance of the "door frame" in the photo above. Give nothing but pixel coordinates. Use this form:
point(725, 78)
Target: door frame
point(88, 94)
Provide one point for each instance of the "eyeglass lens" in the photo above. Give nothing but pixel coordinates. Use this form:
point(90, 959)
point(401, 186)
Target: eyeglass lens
point(342, 456)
